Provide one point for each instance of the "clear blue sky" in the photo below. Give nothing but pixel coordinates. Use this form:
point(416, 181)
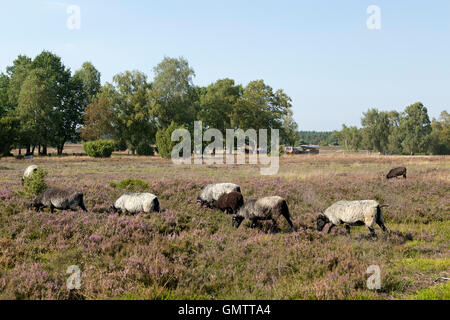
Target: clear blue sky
point(320, 52)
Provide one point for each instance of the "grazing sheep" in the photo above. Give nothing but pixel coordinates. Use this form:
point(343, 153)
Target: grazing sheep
point(58, 199)
point(230, 202)
point(136, 203)
point(397, 172)
point(268, 208)
point(212, 192)
point(366, 212)
point(29, 171)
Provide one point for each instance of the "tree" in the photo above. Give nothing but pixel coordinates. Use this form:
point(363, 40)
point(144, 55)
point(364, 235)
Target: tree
point(36, 108)
point(289, 132)
point(133, 122)
point(350, 138)
point(164, 140)
point(172, 93)
point(90, 77)
point(98, 118)
point(415, 127)
point(440, 134)
point(375, 130)
point(217, 103)
point(8, 134)
point(260, 107)
point(5, 105)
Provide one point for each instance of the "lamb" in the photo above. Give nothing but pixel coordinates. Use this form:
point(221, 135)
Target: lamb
point(58, 199)
point(366, 212)
point(212, 192)
point(136, 203)
point(268, 208)
point(29, 171)
point(397, 172)
point(230, 202)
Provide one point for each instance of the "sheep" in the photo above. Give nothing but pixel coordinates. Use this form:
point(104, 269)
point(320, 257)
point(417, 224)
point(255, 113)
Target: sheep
point(136, 203)
point(58, 199)
point(229, 202)
point(212, 192)
point(397, 172)
point(29, 172)
point(365, 212)
point(268, 208)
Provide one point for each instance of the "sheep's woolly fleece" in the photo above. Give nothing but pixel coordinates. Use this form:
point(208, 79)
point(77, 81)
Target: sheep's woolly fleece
point(137, 202)
point(212, 192)
point(264, 208)
point(353, 212)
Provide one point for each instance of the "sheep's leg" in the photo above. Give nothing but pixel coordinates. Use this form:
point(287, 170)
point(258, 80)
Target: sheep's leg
point(288, 219)
point(83, 207)
point(274, 226)
point(347, 227)
point(254, 224)
point(52, 208)
point(372, 232)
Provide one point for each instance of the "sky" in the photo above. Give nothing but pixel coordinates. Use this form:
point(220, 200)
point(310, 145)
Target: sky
point(321, 53)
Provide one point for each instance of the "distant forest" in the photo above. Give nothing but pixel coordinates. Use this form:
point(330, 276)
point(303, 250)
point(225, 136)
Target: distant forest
point(322, 138)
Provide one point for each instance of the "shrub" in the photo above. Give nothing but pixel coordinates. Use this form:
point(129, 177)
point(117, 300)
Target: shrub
point(120, 145)
point(164, 140)
point(99, 148)
point(130, 185)
point(145, 149)
point(35, 184)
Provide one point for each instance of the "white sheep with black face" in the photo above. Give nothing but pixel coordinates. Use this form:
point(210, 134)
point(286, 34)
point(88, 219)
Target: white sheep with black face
point(212, 192)
point(365, 212)
point(136, 203)
point(268, 208)
point(29, 172)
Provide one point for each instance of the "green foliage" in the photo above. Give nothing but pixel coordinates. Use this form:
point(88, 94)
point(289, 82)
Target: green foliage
point(316, 138)
point(130, 185)
point(99, 148)
point(164, 140)
point(416, 127)
point(144, 149)
point(8, 134)
point(35, 184)
point(440, 135)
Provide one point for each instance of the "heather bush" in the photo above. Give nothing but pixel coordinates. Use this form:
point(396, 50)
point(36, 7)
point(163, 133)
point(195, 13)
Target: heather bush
point(99, 148)
point(130, 185)
point(35, 184)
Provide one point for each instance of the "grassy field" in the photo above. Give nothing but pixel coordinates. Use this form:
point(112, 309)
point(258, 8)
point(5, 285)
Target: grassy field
point(188, 252)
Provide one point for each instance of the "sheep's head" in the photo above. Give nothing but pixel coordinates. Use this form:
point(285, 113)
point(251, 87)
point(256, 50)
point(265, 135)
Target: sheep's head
point(237, 220)
point(322, 220)
point(112, 209)
point(36, 204)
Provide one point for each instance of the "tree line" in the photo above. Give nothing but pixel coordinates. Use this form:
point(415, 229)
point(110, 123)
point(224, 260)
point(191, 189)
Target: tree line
point(391, 132)
point(42, 104)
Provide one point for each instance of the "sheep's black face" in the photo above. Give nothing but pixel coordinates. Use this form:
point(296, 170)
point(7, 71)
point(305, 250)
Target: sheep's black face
point(321, 222)
point(237, 221)
point(112, 210)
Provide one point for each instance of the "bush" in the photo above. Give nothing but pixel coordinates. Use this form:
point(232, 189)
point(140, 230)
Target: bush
point(145, 149)
point(99, 148)
point(121, 145)
point(35, 184)
point(164, 140)
point(130, 185)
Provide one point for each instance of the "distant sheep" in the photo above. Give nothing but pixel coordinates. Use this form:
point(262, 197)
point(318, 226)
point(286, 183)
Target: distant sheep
point(212, 192)
point(397, 172)
point(136, 203)
point(230, 202)
point(29, 172)
point(59, 199)
point(366, 212)
point(268, 208)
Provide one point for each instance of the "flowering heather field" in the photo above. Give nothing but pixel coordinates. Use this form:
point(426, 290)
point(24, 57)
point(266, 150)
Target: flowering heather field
point(188, 252)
